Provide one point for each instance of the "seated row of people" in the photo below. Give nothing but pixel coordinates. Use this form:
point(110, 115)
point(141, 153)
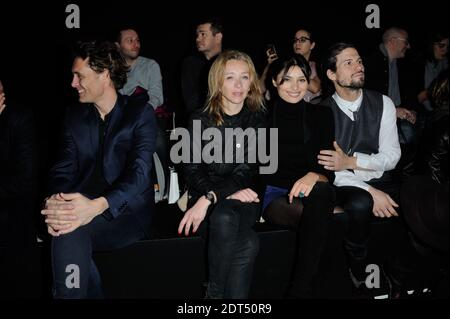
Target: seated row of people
point(338, 153)
point(350, 141)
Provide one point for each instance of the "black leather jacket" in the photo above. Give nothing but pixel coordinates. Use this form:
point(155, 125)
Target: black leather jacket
point(437, 158)
point(223, 178)
point(433, 155)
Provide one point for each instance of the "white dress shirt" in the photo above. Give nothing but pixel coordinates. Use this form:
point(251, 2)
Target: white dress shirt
point(389, 152)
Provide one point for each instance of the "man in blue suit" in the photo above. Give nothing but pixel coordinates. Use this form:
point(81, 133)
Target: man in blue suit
point(100, 193)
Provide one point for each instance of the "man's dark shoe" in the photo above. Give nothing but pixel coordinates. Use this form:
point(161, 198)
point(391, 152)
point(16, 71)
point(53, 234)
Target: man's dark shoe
point(396, 289)
point(360, 289)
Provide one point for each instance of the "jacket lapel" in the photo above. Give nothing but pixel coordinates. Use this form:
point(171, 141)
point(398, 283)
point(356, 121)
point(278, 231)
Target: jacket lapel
point(111, 133)
point(91, 125)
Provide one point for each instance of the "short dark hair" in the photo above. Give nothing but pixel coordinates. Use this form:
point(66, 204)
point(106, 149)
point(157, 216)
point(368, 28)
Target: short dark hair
point(118, 36)
point(329, 62)
point(216, 24)
point(104, 55)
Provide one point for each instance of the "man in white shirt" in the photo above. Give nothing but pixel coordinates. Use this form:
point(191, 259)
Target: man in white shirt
point(366, 148)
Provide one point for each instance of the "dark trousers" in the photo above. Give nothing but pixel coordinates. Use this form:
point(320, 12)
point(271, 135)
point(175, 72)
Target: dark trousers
point(358, 205)
point(75, 274)
point(310, 217)
point(232, 248)
point(18, 250)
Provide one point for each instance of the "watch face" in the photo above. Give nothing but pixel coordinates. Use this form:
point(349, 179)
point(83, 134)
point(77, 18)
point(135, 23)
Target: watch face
point(210, 197)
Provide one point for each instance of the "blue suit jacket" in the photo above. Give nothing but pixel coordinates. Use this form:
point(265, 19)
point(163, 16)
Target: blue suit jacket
point(127, 156)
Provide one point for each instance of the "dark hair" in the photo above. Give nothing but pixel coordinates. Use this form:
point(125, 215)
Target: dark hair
point(216, 24)
point(434, 38)
point(118, 36)
point(329, 61)
point(307, 29)
point(283, 65)
point(104, 55)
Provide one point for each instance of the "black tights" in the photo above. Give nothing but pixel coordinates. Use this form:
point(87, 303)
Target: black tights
point(310, 217)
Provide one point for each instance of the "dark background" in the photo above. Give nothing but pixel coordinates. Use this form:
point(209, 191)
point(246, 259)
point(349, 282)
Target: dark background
point(35, 43)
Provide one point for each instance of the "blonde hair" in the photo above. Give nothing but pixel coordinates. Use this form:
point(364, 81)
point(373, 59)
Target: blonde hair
point(214, 106)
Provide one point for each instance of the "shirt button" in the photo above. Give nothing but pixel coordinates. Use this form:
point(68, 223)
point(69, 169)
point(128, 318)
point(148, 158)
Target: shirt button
point(238, 145)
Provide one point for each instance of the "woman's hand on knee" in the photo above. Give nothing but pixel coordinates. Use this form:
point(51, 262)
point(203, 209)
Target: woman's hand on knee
point(194, 216)
point(303, 186)
point(246, 195)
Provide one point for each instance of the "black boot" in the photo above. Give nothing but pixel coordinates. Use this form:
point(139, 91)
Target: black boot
point(395, 277)
point(359, 287)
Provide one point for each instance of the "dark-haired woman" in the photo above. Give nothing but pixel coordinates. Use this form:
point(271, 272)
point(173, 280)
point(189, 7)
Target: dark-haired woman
point(300, 194)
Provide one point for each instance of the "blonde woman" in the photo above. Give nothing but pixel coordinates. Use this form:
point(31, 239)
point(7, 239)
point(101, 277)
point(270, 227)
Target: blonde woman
point(223, 205)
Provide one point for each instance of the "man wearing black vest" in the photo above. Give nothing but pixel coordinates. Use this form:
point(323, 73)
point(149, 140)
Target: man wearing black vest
point(366, 148)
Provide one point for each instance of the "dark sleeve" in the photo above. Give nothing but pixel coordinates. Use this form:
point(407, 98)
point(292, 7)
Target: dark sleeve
point(135, 177)
point(63, 172)
point(196, 175)
point(375, 76)
point(240, 178)
point(411, 82)
point(23, 157)
point(437, 157)
point(324, 136)
point(190, 84)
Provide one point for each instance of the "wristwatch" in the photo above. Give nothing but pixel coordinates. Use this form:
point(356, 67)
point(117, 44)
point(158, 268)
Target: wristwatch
point(210, 196)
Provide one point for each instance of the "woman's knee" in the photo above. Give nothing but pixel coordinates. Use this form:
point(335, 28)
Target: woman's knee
point(284, 214)
point(250, 244)
point(361, 201)
point(225, 213)
point(323, 191)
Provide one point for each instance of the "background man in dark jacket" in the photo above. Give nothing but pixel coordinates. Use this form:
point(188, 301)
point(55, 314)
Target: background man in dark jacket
point(17, 172)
